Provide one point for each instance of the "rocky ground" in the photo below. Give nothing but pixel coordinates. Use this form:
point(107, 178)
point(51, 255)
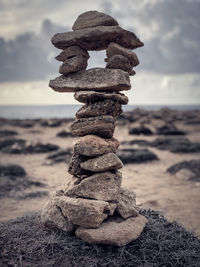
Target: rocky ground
point(152, 142)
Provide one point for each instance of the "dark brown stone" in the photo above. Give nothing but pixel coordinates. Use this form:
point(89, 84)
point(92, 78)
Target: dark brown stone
point(93, 96)
point(106, 107)
point(98, 79)
point(103, 126)
point(70, 52)
point(93, 18)
point(96, 38)
point(73, 64)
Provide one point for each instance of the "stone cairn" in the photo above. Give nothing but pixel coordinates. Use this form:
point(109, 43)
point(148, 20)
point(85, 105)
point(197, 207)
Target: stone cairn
point(93, 204)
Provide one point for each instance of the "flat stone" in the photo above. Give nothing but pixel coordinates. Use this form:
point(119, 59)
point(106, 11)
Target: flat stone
point(85, 212)
point(93, 96)
point(96, 38)
point(73, 64)
point(93, 145)
point(75, 167)
point(103, 126)
point(117, 49)
point(100, 108)
point(72, 51)
point(101, 186)
point(126, 204)
point(102, 163)
point(114, 231)
point(93, 18)
point(98, 79)
point(53, 218)
point(119, 62)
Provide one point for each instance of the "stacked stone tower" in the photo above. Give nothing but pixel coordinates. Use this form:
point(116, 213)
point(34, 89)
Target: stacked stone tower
point(93, 203)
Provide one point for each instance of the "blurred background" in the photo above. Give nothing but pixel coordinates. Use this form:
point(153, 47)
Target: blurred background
point(169, 68)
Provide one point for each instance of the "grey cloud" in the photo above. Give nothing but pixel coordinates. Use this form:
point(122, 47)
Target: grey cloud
point(173, 47)
point(29, 56)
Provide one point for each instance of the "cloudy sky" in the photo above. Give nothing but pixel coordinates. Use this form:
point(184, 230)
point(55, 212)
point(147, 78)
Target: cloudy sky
point(169, 61)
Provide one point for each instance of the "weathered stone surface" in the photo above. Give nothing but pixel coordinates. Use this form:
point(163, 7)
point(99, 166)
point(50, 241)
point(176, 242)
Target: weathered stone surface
point(114, 231)
point(126, 204)
point(73, 64)
point(116, 49)
point(93, 145)
point(102, 163)
point(101, 186)
point(53, 218)
point(106, 107)
point(85, 212)
point(92, 96)
point(102, 126)
point(72, 51)
point(119, 62)
point(96, 38)
point(93, 18)
point(75, 168)
point(98, 79)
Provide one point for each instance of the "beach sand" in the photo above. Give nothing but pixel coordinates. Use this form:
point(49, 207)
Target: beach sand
point(175, 197)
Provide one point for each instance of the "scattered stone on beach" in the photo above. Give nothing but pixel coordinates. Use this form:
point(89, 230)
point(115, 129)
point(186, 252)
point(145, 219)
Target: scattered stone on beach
point(116, 49)
point(176, 145)
point(71, 52)
point(93, 96)
point(136, 142)
point(40, 148)
point(101, 108)
point(98, 79)
point(103, 126)
point(188, 170)
point(10, 142)
point(53, 218)
point(169, 129)
point(119, 62)
point(92, 19)
point(136, 155)
point(96, 38)
point(64, 134)
point(101, 186)
point(142, 130)
point(93, 145)
point(85, 212)
point(12, 170)
point(60, 156)
point(102, 163)
point(114, 231)
point(126, 204)
point(6, 133)
point(72, 65)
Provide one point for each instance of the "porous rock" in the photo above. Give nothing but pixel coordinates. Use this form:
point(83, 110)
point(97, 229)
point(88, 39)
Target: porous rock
point(126, 204)
point(75, 168)
point(93, 145)
point(114, 231)
point(119, 62)
point(116, 49)
point(93, 96)
point(100, 108)
point(93, 18)
point(85, 212)
point(71, 52)
point(53, 218)
point(96, 38)
point(73, 64)
point(102, 163)
point(102, 126)
point(101, 186)
point(98, 79)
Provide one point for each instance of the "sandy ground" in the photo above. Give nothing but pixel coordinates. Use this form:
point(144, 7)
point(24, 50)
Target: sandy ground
point(178, 199)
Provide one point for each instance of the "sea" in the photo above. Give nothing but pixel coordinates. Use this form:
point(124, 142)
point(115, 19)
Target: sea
point(68, 111)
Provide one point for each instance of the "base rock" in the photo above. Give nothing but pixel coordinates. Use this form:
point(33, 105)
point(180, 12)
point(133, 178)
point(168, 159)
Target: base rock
point(114, 231)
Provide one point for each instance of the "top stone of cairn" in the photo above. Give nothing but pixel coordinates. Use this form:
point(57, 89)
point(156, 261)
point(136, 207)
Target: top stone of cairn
point(92, 19)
